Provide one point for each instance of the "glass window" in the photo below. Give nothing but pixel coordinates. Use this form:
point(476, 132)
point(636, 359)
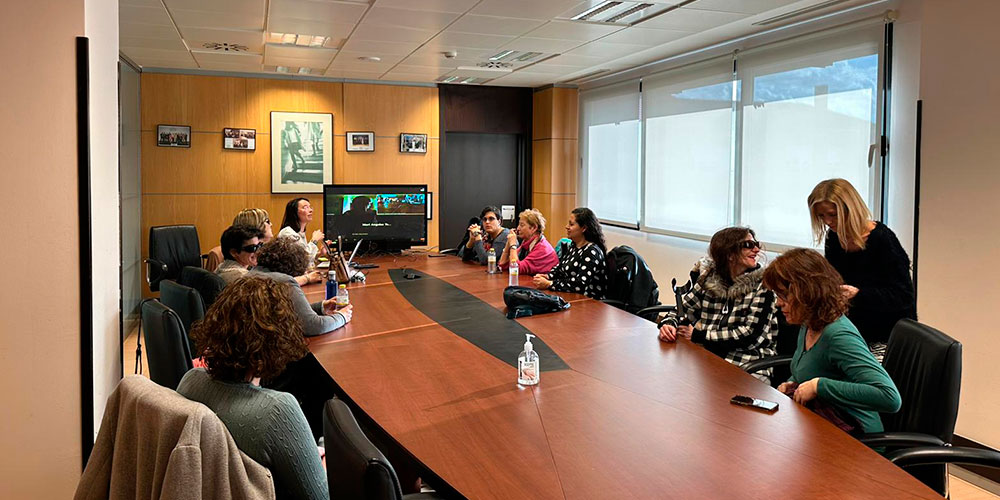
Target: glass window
point(610, 147)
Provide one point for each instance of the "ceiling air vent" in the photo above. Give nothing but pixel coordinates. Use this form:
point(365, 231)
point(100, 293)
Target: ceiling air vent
point(225, 47)
point(495, 65)
point(620, 13)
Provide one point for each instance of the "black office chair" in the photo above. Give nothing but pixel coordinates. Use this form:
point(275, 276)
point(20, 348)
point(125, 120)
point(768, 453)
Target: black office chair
point(651, 313)
point(186, 302)
point(926, 366)
point(465, 239)
point(940, 456)
point(170, 249)
point(630, 283)
point(208, 284)
point(355, 468)
point(166, 344)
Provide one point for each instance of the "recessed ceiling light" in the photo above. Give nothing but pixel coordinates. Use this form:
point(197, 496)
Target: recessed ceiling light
point(587, 14)
point(297, 40)
point(501, 55)
point(449, 79)
point(304, 70)
point(370, 59)
point(281, 69)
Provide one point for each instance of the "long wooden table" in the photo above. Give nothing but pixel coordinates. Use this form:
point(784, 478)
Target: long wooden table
point(632, 417)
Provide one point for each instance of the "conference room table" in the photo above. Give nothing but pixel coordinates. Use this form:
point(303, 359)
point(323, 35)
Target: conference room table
point(431, 358)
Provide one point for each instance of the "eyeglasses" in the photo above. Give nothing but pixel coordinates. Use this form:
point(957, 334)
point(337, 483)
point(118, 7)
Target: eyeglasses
point(750, 244)
point(252, 248)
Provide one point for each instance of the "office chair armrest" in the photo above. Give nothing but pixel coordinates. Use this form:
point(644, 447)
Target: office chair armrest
point(897, 439)
point(423, 496)
point(449, 251)
point(152, 265)
point(927, 455)
point(765, 363)
point(652, 311)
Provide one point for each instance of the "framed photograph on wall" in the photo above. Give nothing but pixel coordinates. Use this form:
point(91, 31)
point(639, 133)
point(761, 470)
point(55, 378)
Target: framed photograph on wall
point(301, 152)
point(361, 141)
point(412, 143)
point(244, 139)
point(173, 136)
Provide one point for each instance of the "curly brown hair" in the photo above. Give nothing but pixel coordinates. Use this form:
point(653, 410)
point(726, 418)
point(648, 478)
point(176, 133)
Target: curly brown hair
point(250, 330)
point(284, 255)
point(809, 284)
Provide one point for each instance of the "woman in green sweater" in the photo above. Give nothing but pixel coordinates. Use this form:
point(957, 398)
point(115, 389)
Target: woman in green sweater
point(832, 364)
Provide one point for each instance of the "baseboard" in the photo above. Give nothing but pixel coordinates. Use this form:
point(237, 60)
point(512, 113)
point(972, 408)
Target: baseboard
point(986, 478)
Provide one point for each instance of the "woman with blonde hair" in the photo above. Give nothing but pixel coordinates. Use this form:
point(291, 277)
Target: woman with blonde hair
point(535, 253)
point(256, 217)
point(867, 254)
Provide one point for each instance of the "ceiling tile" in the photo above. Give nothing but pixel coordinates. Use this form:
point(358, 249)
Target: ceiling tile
point(450, 40)
point(315, 54)
point(237, 20)
point(604, 50)
point(349, 56)
point(157, 54)
point(436, 59)
point(242, 68)
point(157, 63)
point(348, 64)
point(386, 16)
point(645, 36)
point(456, 6)
point(197, 37)
point(339, 12)
point(141, 3)
point(144, 15)
point(271, 60)
point(152, 43)
point(380, 48)
point(138, 30)
point(422, 70)
point(227, 58)
point(228, 6)
point(524, 9)
point(337, 31)
point(550, 69)
point(353, 75)
point(685, 19)
point(569, 30)
point(367, 31)
point(409, 77)
point(546, 45)
point(743, 6)
point(521, 80)
point(493, 25)
point(577, 60)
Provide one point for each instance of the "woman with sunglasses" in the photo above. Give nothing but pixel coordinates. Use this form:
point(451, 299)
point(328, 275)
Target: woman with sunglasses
point(239, 251)
point(256, 217)
point(727, 309)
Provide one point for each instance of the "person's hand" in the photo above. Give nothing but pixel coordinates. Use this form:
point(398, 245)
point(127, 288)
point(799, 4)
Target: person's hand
point(330, 306)
point(511, 239)
point(346, 311)
point(685, 331)
point(543, 275)
point(668, 333)
point(541, 282)
point(849, 291)
point(317, 236)
point(787, 388)
point(806, 391)
point(313, 277)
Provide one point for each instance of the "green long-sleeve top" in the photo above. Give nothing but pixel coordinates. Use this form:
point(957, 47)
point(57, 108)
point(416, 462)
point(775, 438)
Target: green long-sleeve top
point(849, 376)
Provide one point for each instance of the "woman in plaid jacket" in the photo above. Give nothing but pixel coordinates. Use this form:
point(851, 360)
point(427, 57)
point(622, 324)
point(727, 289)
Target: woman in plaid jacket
point(727, 309)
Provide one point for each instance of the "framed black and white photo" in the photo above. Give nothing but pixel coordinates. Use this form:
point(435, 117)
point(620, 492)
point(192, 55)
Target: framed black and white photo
point(239, 138)
point(173, 136)
point(361, 141)
point(301, 152)
point(412, 143)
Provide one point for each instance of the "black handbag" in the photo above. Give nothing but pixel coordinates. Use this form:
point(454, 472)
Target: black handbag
point(523, 301)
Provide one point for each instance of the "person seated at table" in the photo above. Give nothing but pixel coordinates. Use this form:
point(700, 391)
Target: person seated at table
point(298, 214)
point(727, 309)
point(283, 258)
point(478, 245)
point(256, 217)
point(534, 253)
point(867, 254)
point(832, 365)
point(583, 269)
point(239, 250)
point(251, 333)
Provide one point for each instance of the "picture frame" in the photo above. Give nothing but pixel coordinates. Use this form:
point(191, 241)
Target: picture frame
point(301, 151)
point(360, 141)
point(240, 139)
point(173, 136)
point(412, 143)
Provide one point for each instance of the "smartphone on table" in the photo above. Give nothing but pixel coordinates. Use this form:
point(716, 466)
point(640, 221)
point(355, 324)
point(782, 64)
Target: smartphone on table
point(768, 406)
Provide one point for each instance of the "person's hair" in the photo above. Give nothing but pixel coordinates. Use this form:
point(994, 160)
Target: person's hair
point(534, 218)
point(234, 236)
point(252, 217)
point(725, 245)
point(291, 217)
point(592, 227)
point(250, 330)
point(284, 255)
point(360, 204)
point(853, 215)
point(489, 208)
point(809, 284)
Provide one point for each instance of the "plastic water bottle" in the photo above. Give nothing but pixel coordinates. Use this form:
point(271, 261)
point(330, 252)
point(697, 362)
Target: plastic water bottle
point(528, 368)
point(331, 287)
point(491, 261)
point(342, 298)
point(513, 266)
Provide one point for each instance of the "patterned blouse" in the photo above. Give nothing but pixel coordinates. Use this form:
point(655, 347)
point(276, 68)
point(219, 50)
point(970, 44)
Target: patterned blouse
point(582, 270)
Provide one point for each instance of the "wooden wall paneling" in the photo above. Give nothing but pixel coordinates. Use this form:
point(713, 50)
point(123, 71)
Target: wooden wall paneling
point(565, 165)
point(205, 103)
point(541, 166)
point(565, 113)
point(541, 115)
point(203, 168)
point(390, 110)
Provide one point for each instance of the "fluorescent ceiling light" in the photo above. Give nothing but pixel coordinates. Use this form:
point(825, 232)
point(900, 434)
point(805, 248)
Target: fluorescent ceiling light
point(298, 40)
point(305, 71)
point(628, 12)
point(587, 14)
point(281, 69)
point(501, 55)
point(527, 56)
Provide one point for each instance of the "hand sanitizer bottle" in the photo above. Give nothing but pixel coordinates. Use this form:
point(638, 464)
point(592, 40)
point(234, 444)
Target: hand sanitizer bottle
point(528, 369)
point(513, 266)
point(491, 261)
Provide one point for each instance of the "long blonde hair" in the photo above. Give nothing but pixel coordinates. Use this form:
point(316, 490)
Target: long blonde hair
point(853, 215)
point(253, 217)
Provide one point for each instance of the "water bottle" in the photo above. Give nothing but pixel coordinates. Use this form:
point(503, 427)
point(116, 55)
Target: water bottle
point(513, 266)
point(331, 287)
point(342, 298)
point(491, 261)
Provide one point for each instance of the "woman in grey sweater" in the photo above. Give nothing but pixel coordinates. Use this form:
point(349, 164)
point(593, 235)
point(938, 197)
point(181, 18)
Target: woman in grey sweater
point(252, 332)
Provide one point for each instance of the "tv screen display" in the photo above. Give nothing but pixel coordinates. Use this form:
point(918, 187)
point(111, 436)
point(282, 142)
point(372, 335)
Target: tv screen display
point(376, 212)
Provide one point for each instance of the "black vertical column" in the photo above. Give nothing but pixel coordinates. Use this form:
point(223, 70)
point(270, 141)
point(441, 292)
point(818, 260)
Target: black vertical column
point(85, 252)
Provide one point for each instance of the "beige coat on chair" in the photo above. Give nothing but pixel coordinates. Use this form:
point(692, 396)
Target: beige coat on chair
point(156, 444)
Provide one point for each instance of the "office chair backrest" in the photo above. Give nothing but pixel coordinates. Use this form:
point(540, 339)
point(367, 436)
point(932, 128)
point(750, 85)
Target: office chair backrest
point(355, 468)
point(167, 348)
point(213, 259)
point(174, 247)
point(186, 302)
point(208, 284)
point(926, 366)
point(629, 280)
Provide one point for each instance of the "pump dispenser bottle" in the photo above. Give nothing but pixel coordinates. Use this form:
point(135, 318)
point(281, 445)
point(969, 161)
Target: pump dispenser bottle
point(528, 368)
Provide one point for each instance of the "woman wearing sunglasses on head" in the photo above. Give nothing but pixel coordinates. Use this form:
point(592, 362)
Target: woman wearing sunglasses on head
point(256, 217)
point(239, 250)
point(727, 309)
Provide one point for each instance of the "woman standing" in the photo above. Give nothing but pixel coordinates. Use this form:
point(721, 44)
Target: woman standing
point(867, 254)
point(535, 253)
point(831, 363)
point(727, 309)
point(583, 269)
point(299, 213)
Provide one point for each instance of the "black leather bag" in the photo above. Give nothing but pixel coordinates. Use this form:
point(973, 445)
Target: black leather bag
point(523, 301)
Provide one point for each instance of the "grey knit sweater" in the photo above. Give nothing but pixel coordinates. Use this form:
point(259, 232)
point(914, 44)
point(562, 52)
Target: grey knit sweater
point(268, 426)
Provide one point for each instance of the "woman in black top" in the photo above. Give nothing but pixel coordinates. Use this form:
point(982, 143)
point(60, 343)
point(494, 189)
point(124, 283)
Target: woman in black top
point(868, 256)
point(583, 269)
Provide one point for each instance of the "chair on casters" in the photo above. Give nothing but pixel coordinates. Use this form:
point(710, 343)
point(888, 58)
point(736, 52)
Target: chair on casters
point(167, 346)
point(630, 284)
point(185, 301)
point(208, 284)
point(926, 366)
point(355, 468)
point(170, 249)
